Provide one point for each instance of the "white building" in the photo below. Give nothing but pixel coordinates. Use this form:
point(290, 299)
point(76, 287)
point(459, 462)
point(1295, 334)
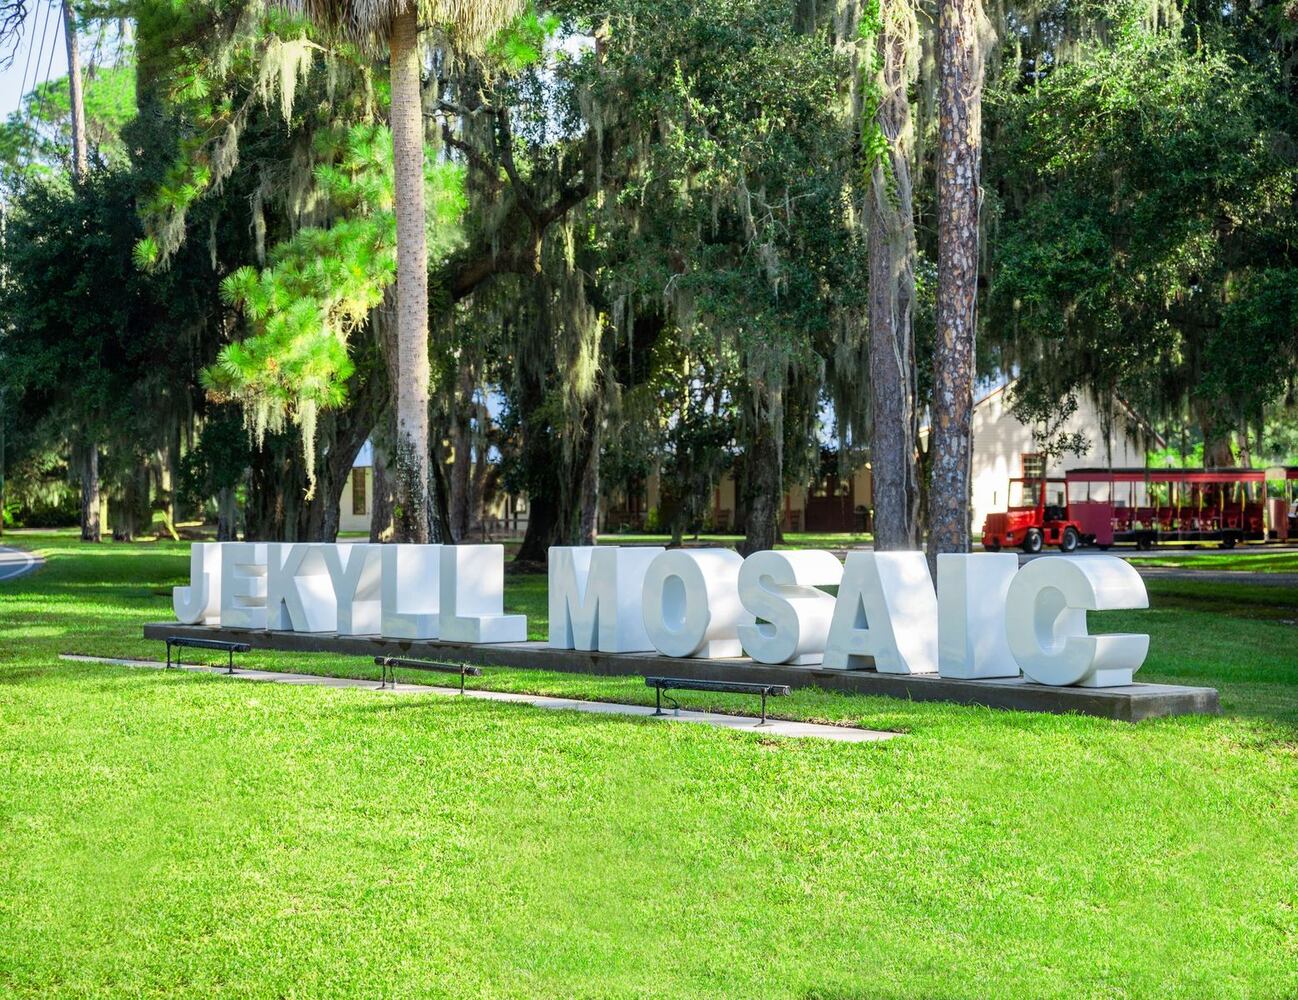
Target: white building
point(1003, 446)
point(357, 503)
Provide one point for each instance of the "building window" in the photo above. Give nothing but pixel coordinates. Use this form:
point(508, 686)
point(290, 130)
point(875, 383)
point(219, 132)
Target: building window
point(1034, 465)
point(358, 492)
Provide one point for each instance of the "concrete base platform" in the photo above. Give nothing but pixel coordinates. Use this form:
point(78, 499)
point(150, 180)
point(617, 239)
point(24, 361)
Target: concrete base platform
point(1129, 704)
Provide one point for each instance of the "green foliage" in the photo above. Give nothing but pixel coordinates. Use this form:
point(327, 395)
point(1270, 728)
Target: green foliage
point(874, 143)
point(522, 45)
point(94, 349)
point(321, 285)
point(36, 139)
point(1144, 228)
point(217, 462)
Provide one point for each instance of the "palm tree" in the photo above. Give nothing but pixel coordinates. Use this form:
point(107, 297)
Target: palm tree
point(961, 27)
point(393, 26)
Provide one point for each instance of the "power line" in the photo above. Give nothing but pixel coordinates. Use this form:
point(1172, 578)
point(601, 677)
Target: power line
point(39, 49)
point(49, 65)
point(31, 45)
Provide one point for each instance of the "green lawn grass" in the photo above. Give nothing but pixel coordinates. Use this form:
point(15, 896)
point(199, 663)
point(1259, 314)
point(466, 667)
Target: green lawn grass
point(1231, 560)
point(194, 835)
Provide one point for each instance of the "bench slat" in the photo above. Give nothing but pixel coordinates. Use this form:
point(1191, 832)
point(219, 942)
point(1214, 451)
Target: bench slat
point(388, 662)
point(738, 687)
point(229, 648)
point(664, 684)
point(441, 668)
point(225, 647)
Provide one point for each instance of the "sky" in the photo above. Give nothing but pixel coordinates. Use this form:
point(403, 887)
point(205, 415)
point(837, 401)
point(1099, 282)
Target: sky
point(41, 18)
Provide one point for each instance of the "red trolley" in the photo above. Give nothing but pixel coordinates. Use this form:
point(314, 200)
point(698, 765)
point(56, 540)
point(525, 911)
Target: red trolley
point(1103, 507)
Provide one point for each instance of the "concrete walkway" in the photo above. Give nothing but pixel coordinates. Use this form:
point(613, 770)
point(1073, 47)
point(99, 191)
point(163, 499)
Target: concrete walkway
point(15, 563)
point(743, 723)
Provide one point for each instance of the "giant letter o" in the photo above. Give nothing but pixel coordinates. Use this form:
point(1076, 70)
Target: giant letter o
point(691, 603)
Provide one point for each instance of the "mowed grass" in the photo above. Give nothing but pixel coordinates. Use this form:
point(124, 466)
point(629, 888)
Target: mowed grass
point(1228, 560)
point(192, 835)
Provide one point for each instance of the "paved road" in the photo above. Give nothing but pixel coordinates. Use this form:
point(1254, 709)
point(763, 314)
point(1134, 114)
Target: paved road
point(15, 563)
point(1188, 572)
point(1218, 576)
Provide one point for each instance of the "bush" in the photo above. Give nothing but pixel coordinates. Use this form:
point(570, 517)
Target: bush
point(66, 513)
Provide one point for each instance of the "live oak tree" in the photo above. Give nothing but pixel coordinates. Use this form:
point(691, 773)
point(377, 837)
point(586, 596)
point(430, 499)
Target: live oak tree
point(675, 235)
point(1145, 195)
point(77, 361)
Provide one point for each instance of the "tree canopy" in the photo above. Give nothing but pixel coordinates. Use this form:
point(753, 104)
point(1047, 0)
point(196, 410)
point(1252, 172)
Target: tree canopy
point(650, 229)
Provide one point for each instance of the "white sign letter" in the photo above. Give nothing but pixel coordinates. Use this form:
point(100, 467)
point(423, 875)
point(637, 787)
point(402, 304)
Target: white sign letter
point(201, 600)
point(354, 571)
point(971, 595)
point(299, 596)
point(886, 610)
point(780, 588)
point(411, 590)
point(473, 596)
point(1046, 620)
point(691, 603)
point(595, 593)
point(243, 585)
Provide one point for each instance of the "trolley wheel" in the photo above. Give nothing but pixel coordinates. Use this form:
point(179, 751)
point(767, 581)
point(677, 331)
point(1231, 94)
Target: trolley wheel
point(1104, 548)
point(1069, 542)
point(1144, 543)
point(1032, 541)
point(1228, 542)
point(991, 546)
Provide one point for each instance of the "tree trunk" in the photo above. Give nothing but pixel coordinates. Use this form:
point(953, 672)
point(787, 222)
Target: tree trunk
point(227, 515)
point(440, 491)
point(895, 484)
point(484, 471)
point(739, 472)
point(131, 514)
point(90, 493)
point(960, 74)
point(462, 454)
point(415, 521)
point(1218, 446)
point(321, 514)
point(172, 469)
point(79, 157)
point(542, 526)
point(276, 484)
point(588, 530)
point(90, 529)
point(381, 506)
point(762, 488)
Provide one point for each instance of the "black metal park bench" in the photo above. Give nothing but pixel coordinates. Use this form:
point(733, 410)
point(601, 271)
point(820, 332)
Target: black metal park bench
point(229, 648)
point(663, 684)
point(388, 663)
